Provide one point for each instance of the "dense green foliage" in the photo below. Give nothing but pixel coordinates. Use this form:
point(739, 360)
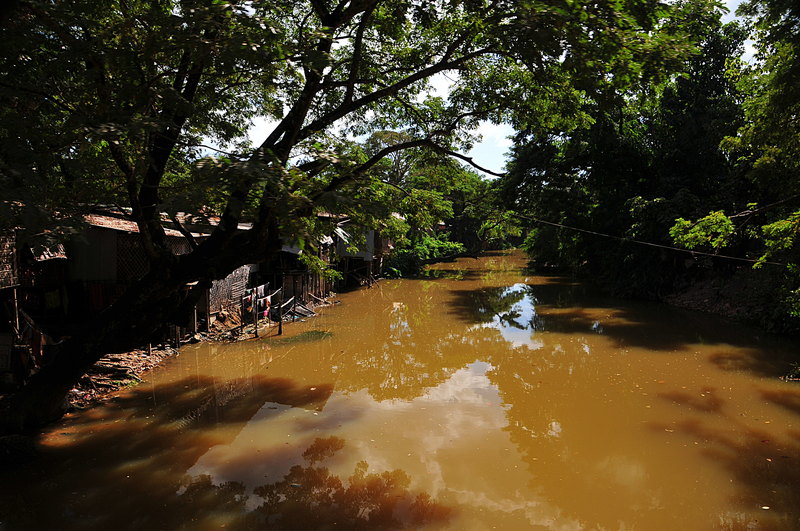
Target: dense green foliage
point(431, 206)
point(642, 163)
point(118, 98)
point(707, 161)
point(106, 102)
point(766, 150)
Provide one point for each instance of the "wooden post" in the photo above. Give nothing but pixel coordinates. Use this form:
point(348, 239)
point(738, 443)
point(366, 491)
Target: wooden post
point(294, 295)
point(208, 310)
point(241, 312)
point(255, 310)
point(280, 307)
point(15, 302)
point(194, 320)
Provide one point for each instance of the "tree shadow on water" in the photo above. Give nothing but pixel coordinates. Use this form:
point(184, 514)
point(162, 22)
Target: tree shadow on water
point(124, 466)
point(561, 306)
point(786, 398)
point(126, 457)
point(765, 471)
point(465, 275)
point(764, 362)
point(707, 402)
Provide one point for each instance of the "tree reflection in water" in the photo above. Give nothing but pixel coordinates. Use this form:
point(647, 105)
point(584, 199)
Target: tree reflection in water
point(311, 497)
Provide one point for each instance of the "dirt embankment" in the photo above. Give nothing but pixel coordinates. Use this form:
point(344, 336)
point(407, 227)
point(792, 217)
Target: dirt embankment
point(115, 371)
point(749, 296)
point(716, 298)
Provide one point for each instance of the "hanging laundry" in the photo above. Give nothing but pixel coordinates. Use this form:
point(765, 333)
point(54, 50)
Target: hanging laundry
point(263, 303)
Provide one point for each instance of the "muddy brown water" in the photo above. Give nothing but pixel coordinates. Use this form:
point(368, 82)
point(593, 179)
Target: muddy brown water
point(477, 397)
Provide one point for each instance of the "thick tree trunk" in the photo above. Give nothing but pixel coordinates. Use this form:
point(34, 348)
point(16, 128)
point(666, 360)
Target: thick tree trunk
point(152, 302)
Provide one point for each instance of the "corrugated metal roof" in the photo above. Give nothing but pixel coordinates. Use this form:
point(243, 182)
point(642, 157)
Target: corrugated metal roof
point(124, 225)
point(49, 252)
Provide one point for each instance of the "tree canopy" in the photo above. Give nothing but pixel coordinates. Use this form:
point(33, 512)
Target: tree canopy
point(112, 102)
point(118, 98)
point(705, 161)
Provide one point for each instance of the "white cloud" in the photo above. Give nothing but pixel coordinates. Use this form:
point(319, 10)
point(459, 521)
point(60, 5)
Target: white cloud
point(261, 129)
point(441, 83)
point(731, 5)
point(492, 151)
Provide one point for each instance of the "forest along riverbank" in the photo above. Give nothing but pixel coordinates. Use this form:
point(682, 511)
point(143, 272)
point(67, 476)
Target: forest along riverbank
point(476, 396)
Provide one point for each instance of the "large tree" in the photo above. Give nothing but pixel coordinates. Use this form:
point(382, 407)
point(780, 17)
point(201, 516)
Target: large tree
point(645, 159)
point(111, 101)
point(761, 215)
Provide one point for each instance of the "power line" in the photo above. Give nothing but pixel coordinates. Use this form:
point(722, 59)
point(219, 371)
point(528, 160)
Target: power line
point(649, 244)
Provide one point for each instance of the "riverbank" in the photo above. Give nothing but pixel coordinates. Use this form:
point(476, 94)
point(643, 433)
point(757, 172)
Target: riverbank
point(755, 297)
point(114, 372)
point(118, 371)
point(748, 296)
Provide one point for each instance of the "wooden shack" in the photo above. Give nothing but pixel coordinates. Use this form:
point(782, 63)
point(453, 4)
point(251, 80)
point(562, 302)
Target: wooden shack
point(9, 313)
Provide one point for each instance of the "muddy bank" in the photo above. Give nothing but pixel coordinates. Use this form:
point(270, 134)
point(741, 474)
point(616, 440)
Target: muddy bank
point(116, 371)
point(748, 296)
point(113, 372)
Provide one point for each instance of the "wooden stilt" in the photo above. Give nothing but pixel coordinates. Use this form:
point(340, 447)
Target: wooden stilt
point(255, 311)
point(208, 310)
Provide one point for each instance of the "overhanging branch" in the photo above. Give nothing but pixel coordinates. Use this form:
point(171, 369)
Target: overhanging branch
point(347, 108)
point(186, 234)
point(359, 170)
point(470, 161)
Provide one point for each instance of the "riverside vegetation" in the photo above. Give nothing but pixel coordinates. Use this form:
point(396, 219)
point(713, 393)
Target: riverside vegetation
point(633, 119)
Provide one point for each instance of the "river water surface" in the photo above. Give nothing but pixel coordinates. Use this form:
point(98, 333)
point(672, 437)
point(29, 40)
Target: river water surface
point(477, 397)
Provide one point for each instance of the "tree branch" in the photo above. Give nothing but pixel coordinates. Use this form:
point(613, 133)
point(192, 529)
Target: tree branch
point(314, 167)
point(358, 45)
point(186, 234)
point(345, 177)
point(45, 95)
point(408, 194)
point(320, 10)
point(287, 131)
point(348, 107)
point(469, 161)
point(765, 207)
point(161, 149)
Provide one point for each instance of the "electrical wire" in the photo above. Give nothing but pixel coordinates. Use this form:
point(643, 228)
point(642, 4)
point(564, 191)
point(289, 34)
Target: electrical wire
point(649, 244)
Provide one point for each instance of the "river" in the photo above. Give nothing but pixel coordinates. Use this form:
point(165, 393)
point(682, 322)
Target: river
point(479, 396)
